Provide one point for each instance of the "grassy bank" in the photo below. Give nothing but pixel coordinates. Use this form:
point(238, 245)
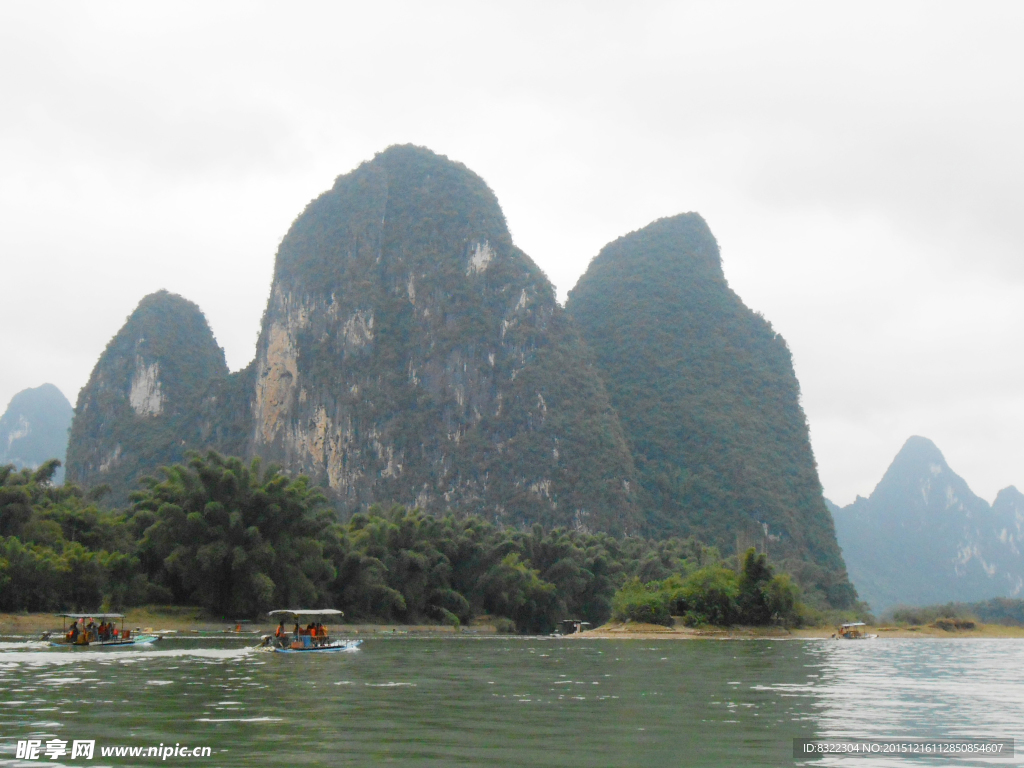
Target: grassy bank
point(615, 630)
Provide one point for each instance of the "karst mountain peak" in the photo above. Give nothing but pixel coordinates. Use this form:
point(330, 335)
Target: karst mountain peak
point(411, 353)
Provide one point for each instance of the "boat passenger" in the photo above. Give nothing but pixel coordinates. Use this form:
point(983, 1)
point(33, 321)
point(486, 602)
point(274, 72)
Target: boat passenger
point(73, 634)
point(281, 631)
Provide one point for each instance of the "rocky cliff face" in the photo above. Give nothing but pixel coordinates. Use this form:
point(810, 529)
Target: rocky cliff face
point(34, 428)
point(923, 537)
point(709, 402)
point(411, 353)
point(144, 401)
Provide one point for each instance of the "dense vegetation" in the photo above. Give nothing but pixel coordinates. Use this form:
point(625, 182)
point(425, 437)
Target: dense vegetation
point(709, 402)
point(716, 595)
point(239, 539)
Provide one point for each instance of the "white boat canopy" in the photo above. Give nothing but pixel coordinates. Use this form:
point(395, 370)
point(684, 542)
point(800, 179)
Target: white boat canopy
point(306, 612)
point(855, 624)
point(91, 615)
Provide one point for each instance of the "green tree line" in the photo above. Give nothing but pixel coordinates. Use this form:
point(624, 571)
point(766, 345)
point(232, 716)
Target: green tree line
point(239, 539)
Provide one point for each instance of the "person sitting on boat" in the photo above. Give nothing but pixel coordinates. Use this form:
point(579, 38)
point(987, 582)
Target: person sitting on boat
point(73, 634)
point(281, 631)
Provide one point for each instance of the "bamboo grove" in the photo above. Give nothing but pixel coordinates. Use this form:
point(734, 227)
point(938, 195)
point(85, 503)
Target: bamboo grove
point(239, 539)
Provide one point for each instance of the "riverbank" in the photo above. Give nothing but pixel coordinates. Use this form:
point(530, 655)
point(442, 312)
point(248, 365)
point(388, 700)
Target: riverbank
point(187, 620)
point(631, 630)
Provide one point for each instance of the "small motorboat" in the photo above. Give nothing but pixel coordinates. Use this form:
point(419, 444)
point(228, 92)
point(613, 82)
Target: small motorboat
point(852, 631)
point(314, 638)
point(92, 635)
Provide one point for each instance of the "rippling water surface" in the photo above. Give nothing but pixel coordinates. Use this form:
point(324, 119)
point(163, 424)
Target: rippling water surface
point(512, 701)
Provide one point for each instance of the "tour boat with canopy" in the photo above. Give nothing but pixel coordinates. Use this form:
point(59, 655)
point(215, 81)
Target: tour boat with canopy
point(852, 631)
point(103, 634)
point(313, 638)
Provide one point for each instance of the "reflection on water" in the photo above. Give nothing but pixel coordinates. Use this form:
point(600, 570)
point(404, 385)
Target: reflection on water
point(938, 689)
point(511, 701)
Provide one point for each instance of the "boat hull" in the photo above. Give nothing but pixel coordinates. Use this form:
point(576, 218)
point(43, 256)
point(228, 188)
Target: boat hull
point(339, 648)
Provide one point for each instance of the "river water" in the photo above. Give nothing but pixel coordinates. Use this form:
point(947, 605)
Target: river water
point(512, 701)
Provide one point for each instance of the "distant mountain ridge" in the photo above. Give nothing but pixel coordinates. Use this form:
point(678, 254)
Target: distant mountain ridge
point(924, 538)
point(34, 429)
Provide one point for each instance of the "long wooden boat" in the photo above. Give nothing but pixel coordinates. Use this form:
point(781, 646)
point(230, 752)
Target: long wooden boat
point(90, 638)
point(301, 641)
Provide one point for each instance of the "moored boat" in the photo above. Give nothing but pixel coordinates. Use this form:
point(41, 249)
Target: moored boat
point(314, 638)
point(852, 631)
point(92, 635)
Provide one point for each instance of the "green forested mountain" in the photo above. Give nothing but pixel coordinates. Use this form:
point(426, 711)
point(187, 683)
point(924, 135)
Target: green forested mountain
point(34, 428)
point(152, 396)
point(411, 353)
point(709, 402)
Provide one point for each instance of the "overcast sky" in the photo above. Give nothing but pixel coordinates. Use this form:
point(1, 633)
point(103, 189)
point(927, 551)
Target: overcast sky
point(860, 164)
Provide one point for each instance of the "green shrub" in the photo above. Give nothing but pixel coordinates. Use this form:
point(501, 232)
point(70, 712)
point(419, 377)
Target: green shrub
point(710, 594)
point(635, 602)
